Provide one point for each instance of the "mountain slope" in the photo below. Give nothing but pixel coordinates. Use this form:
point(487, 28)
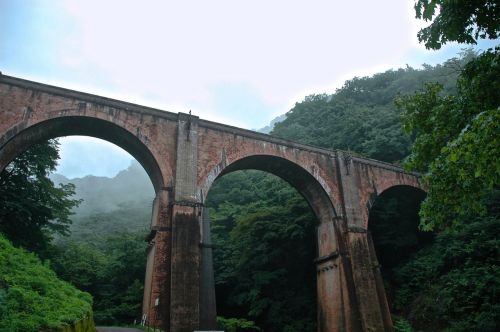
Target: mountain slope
point(111, 205)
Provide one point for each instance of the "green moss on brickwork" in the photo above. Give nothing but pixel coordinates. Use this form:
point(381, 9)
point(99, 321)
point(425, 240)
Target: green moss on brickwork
point(32, 298)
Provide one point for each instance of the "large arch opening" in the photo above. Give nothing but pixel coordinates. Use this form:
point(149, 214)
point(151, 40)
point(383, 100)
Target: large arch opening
point(300, 179)
point(105, 252)
point(21, 139)
point(264, 212)
point(394, 227)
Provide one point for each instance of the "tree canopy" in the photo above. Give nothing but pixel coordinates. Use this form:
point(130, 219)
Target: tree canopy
point(457, 142)
point(463, 21)
point(32, 208)
point(453, 285)
point(361, 115)
point(111, 268)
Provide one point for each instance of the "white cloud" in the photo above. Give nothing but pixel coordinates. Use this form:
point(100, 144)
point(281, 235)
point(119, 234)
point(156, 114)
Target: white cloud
point(173, 53)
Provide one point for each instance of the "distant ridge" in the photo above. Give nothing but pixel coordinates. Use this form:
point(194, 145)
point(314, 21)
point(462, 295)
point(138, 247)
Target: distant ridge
point(111, 205)
point(267, 129)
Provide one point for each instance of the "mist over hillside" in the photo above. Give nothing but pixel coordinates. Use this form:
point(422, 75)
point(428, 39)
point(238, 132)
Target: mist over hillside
point(111, 205)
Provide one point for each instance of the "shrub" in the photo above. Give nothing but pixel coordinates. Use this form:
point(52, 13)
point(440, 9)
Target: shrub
point(32, 298)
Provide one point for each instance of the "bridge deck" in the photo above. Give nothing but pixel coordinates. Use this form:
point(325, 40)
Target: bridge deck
point(173, 116)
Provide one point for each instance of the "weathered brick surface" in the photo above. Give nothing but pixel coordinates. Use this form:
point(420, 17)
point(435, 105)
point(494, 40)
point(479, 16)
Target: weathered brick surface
point(29, 115)
point(183, 155)
point(374, 179)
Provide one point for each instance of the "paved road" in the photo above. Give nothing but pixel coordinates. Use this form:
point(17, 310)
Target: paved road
point(116, 329)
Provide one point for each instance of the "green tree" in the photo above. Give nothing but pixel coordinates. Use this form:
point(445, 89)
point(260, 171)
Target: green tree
point(463, 21)
point(236, 325)
point(454, 284)
point(32, 209)
point(82, 264)
point(457, 142)
point(111, 269)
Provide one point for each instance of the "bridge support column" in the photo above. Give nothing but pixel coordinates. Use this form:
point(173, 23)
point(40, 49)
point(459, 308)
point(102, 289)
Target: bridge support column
point(384, 305)
point(207, 282)
point(369, 295)
point(156, 303)
point(334, 282)
point(186, 231)
point(185, 282)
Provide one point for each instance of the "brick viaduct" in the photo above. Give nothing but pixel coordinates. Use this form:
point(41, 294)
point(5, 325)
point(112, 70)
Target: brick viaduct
point(183, 155)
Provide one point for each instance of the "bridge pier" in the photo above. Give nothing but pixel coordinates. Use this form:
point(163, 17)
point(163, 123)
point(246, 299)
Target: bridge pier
point(156, 303)
point(207, 283)
point(336, 296)
point(186, 230)
point(362, 258)
point(185, 282)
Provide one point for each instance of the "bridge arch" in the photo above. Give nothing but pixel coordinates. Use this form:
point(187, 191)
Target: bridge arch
point(318, 195)
point(402, 186)
point(398, 182)
point(408, 192)
point(394, 235)
point(23, 135)
point(400, 204)
point(302, 180)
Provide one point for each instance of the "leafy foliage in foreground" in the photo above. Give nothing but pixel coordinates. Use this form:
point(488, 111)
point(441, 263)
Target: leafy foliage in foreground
point(457, 142)
point(32, 209)
point(111, 269)
point(460, 21)
point(32, 297)
point(236, 325)
point(454, 284)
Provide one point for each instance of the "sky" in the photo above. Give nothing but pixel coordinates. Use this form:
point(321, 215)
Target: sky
point(240, 63)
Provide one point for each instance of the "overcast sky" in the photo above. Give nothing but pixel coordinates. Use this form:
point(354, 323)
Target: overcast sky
point(237, 62)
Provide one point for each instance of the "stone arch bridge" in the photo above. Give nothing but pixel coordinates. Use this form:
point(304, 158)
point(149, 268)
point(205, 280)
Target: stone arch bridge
point(183, 155)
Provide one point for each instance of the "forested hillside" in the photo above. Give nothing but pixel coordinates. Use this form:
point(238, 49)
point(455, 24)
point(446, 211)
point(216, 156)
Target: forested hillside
point(361, 116)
